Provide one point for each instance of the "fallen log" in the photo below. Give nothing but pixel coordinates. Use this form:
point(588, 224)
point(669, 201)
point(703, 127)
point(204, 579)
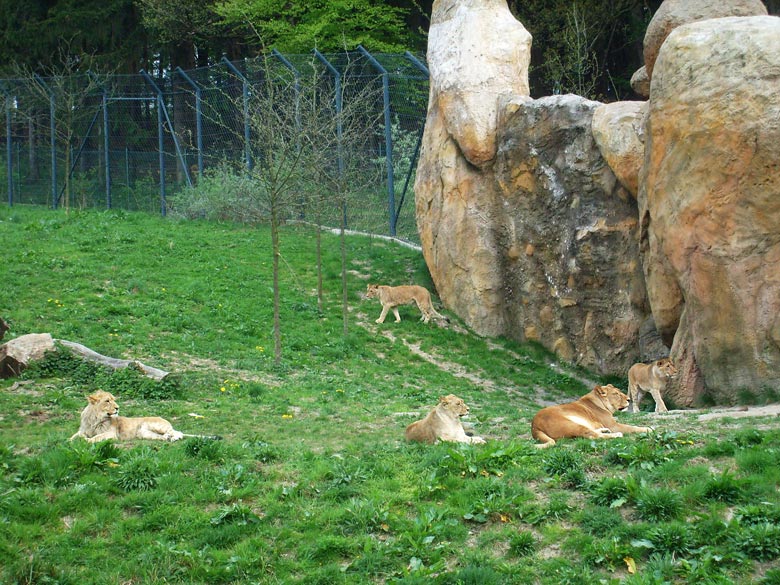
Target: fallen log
point(18, 353)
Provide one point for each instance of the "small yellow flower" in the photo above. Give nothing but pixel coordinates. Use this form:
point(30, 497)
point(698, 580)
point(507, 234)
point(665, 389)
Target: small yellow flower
point(222, 389)
point(287, 416)
point(260, 348)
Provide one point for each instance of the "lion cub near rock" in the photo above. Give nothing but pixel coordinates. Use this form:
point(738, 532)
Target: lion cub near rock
point(393, 296)
point(589, 417)
point(100, 421)
point(649, 378)
point(443, 423)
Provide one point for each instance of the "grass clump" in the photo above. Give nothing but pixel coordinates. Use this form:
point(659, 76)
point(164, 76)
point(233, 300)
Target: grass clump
point(313, 481)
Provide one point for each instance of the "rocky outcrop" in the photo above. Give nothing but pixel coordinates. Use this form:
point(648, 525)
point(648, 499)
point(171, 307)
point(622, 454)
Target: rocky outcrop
point(709, 203)
point(619, 132)
point(674, 13)
point(455, 189)
point(572, 275)
point(640, 82)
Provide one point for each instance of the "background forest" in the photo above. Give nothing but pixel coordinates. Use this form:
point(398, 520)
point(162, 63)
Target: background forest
point(589, 47)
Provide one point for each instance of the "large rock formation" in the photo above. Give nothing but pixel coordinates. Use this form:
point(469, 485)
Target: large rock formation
point(455, 197)
point(525, 207)
point(710, 205)
point(674, 13)
point(572, 275)
point(619, 131)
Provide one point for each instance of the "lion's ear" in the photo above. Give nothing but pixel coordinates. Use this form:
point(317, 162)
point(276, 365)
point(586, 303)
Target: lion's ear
point(442, 399)
point(601, 390)
point(93, 398)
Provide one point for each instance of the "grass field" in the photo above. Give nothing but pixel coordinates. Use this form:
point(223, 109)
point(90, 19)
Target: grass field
point(313, 482)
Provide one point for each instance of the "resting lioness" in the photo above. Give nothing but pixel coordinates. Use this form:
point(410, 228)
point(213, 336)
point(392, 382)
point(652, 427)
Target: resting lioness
point(589, 417)
point(393, 296)
point(100, 421)
point(442, 423)
point(649, 378)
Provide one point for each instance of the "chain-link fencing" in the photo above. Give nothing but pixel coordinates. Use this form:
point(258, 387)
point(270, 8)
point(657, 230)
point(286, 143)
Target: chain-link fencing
point(136, 142)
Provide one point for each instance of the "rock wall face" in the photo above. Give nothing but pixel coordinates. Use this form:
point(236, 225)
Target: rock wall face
point(709, 203)
point(455, 192)
point(674, 13)
point(572, 275)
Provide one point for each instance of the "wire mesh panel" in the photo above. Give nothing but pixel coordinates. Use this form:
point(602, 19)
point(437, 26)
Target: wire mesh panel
point(136, 141)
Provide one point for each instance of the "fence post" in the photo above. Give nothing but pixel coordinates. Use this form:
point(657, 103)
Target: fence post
point(245, 90)
point(9, 151)
point(388, 136)
point(198, 119)
point(52, 130)
point(106, 155)
point(417, 63)
point(339, 104)
point(160, 141)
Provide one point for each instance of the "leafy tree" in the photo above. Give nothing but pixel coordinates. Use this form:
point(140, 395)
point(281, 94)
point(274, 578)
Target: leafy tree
point(589, 47)
point(71, 91)
point(328, 25)
point(36, 33)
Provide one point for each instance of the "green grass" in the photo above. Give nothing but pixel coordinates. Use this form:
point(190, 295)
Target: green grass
point(313, 482)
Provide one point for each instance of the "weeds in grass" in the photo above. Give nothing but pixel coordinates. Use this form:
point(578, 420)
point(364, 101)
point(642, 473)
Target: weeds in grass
point(139, 472)
point(658, 504)
point(313, 482)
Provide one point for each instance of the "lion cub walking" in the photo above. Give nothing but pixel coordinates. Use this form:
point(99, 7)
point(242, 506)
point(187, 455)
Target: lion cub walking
point(651, 378)
point(589, 417)
point(100, 421)
point(443, 423)
point(393, 296)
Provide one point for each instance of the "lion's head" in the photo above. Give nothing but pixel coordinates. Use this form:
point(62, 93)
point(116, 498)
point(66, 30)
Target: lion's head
point(103, 404)
point(372, 291)
point(612, 396)
point(454, 404)
point(666, 367)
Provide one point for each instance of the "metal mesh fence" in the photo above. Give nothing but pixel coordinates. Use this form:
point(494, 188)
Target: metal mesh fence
point(134, 141)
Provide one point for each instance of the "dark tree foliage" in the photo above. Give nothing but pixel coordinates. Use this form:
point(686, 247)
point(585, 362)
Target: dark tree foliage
point(34, 31)
point(590, 47)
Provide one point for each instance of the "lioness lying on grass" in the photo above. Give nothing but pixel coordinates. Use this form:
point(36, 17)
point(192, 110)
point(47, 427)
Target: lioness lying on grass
point(393, 296)
point(442, 423)
point(100, 421)
point(589, 417)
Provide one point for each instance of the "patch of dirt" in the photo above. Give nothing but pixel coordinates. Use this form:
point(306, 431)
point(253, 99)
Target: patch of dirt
point(25, 387)
point(705, 414)
point(450, 367)
point(38, 416)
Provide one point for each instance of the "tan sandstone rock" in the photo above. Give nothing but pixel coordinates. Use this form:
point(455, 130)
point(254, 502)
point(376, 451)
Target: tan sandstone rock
point(640, 82)
point(673, 13)
point(619, 132)
point(709, 204)
point(581, 293)
point(477, 53)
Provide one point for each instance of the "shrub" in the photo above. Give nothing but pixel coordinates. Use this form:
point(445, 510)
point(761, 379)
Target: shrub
point(522, 544)
point(610, 491)
point(672, 538)
point(566, 465)
point(760, 541)
point(658, 504)
point(139, 472)
point(723, 488)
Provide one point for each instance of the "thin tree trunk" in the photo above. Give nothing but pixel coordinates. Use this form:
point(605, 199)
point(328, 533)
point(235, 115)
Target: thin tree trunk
point(275, 249)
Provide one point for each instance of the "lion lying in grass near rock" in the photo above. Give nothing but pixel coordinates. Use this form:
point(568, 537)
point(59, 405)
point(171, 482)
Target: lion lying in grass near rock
point(100, 421)
point(649, 378)
point(443, 423)
point(393, 296)
point(589, 417)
